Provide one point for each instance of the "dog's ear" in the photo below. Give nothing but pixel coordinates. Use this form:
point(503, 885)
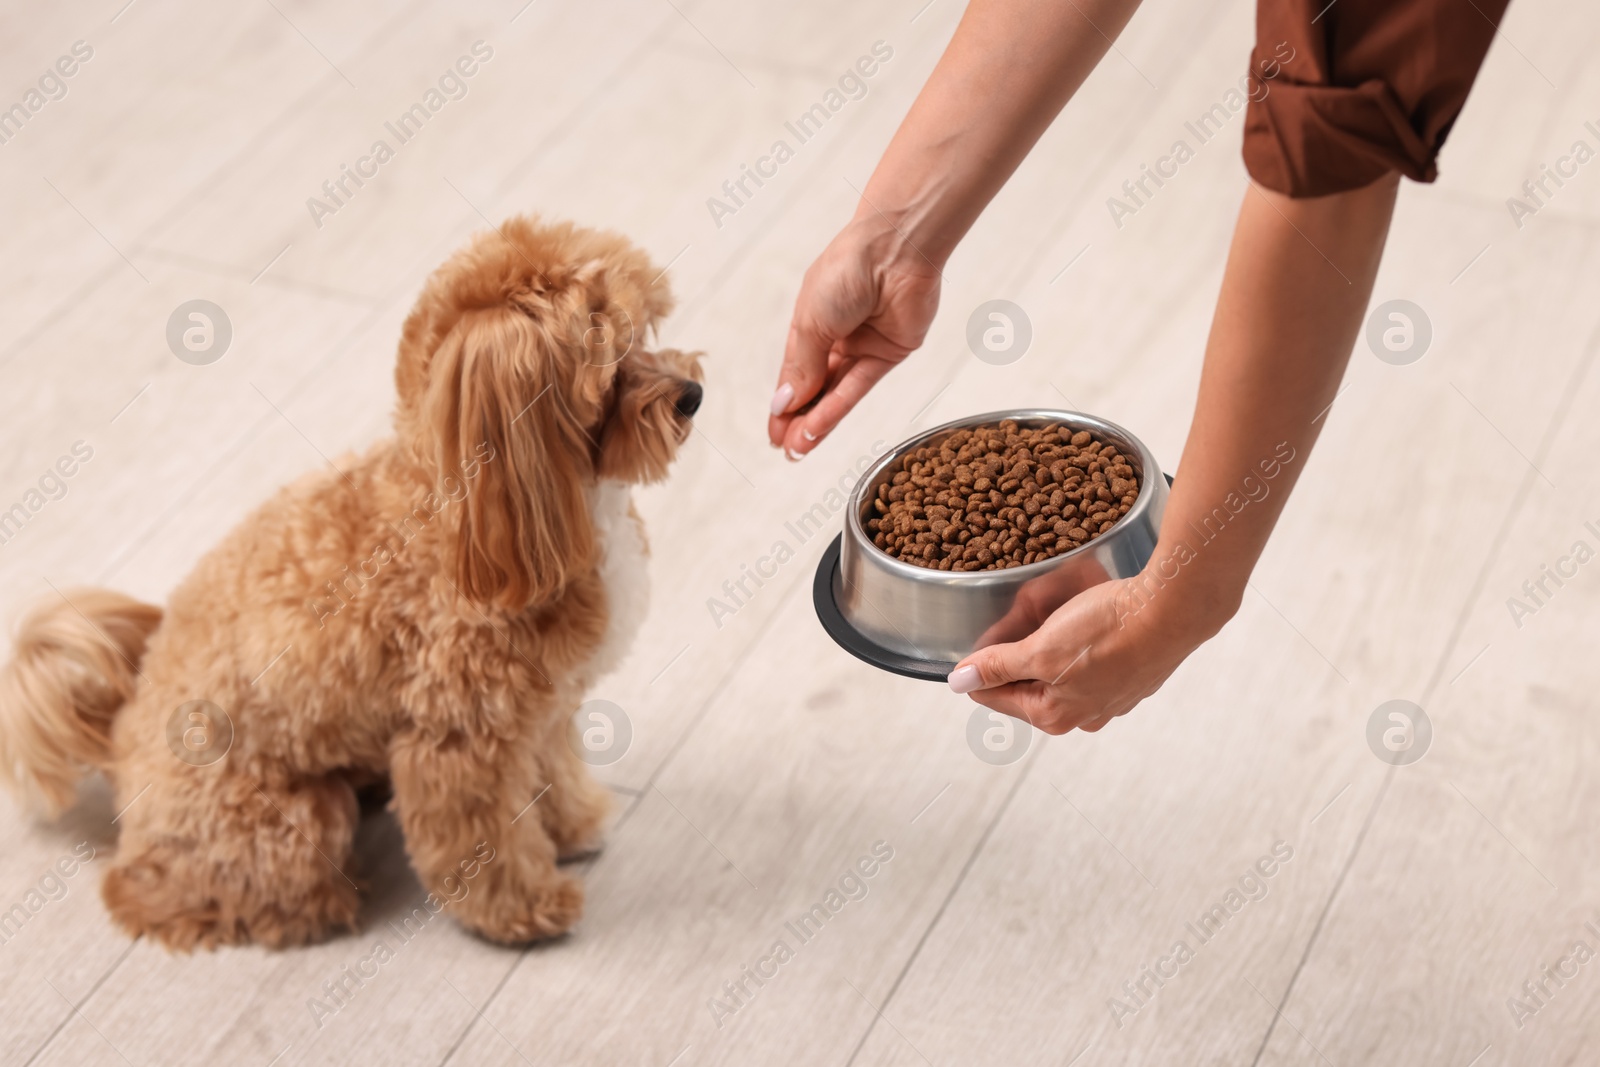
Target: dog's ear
point(497, 401)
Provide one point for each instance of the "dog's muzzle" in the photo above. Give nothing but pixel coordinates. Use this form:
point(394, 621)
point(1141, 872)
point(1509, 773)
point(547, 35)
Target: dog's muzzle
point(689, 399)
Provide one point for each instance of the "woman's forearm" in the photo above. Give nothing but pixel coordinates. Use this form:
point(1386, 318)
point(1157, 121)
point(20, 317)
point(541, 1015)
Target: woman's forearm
point(1007, 72)
point(1293, 298)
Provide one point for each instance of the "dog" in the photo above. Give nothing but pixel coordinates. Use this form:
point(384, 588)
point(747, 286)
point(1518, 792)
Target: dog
point(430, 615)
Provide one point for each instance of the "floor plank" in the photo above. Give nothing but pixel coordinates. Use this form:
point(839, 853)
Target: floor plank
point(1476, 873)
point(1019, 898)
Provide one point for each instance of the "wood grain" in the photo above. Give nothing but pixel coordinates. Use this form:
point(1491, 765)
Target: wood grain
point(765, 762)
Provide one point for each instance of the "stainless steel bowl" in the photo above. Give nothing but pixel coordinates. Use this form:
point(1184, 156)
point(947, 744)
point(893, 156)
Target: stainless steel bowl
point(922, 622)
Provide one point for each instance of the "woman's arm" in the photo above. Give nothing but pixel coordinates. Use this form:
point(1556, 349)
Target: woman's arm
point(868, 300)
point(1298, 279)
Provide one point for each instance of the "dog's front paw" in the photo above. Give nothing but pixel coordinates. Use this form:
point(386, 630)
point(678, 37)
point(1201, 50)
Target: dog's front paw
point(516, 919)
point(576, 818)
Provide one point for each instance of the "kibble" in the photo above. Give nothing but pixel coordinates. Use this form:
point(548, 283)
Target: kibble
point(993, 497)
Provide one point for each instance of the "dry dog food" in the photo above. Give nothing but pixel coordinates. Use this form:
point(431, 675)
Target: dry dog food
point(993, 497)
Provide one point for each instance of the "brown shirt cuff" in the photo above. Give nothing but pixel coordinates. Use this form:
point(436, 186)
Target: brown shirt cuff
point(1372, 87)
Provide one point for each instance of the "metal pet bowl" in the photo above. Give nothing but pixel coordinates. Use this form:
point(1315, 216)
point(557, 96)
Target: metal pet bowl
point(921, 622)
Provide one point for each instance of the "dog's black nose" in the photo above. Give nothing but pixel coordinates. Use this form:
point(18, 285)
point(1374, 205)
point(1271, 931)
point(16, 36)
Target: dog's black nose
point(689, 399)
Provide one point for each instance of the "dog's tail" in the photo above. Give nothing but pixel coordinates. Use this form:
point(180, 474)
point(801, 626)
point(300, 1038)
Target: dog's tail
point(74, 662)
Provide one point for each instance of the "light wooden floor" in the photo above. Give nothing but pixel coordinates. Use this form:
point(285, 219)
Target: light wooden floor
point(1020, 898)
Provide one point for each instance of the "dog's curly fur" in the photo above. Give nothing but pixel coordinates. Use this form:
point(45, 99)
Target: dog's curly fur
point(441, 604)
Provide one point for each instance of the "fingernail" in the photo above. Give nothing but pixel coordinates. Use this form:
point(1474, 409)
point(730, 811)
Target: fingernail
point(792, 456)
point(782, 398)
point(807, 434)
point(965, 679)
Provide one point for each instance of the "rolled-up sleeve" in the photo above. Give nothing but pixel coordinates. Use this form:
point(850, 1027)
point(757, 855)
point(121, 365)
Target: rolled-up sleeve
point(1370, 87)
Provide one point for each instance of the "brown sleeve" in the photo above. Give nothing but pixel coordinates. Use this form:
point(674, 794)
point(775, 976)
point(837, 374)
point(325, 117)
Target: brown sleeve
point(1355, 89)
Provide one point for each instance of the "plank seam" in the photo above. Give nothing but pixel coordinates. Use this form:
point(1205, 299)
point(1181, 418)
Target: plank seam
point(1557, 421)
point(650, 781)
point(955, 887)
point(78, 1007)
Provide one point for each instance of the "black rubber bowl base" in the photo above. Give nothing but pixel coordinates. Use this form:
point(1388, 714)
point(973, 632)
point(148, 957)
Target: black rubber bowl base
point(851, 640)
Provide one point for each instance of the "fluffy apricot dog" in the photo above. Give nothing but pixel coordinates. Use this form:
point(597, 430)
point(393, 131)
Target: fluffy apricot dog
point(430, 614)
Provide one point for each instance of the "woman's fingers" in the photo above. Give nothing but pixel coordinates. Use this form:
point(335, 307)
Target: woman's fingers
point(1006, 678)
point(855, 317)
point(1036, 679)
point(838, 295)
point(804, 371)
point(1020, 700)
point(854, 366)
point(838, 397)
point(1079, 670)
point(993, 666)
point(1048, 708)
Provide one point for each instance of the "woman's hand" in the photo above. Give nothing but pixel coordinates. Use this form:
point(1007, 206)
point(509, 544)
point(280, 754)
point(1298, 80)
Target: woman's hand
point(1257, 416)
point(869, 298)
point(865, 304)
point(1095, 657)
